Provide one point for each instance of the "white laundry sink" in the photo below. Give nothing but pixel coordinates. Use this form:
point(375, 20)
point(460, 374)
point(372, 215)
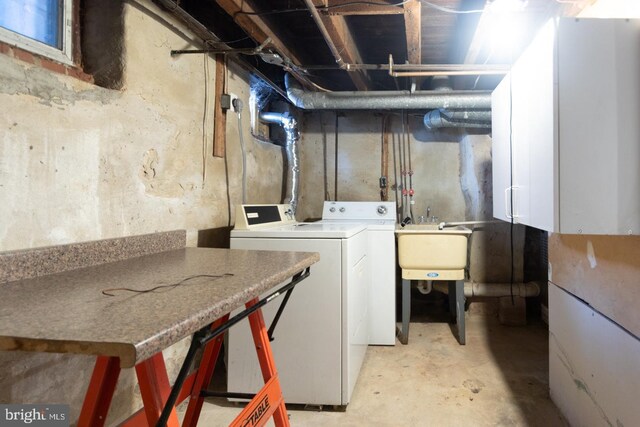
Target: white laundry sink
point(427, 253)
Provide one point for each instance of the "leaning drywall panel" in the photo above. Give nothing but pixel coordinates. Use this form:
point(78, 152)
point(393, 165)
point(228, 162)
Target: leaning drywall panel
point(594, 365)
point(602, 270)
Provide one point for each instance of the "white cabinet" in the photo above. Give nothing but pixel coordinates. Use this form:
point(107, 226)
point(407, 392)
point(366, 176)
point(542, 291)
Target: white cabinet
point(566, 130)
point(500, 149)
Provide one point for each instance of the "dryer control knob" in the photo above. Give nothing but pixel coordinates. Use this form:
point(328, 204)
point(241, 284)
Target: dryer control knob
point(382, 210)
point(332, 209)
point(342, 209)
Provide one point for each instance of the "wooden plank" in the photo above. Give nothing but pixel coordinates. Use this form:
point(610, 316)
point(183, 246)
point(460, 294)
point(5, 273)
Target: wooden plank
point(602, 270)
point(342, 38)
point(413, 30)
point(383, 8)
point(255, 26)
point(386, 121)
point(219, 115)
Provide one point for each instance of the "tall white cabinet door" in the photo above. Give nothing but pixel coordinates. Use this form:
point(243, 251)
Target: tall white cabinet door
point(500, 149)
point(599, 71)
point(534, 132)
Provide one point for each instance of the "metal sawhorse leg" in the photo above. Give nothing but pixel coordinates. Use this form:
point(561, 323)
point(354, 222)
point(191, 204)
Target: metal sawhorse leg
point(406, 311)
point(456, 307)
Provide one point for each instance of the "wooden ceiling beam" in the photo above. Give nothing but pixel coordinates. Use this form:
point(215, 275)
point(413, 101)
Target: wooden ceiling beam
point(362, 9)
point(413, 30)
point(342, 38)
point(256, 27)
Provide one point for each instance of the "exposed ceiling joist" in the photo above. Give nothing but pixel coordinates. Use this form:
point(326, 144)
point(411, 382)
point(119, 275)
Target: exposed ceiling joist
point(350, 8)
point(413, 30)
point(255, 26)
point(340, 35)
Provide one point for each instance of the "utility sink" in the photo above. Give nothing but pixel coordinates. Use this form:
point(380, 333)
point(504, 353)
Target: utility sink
point(427, 253)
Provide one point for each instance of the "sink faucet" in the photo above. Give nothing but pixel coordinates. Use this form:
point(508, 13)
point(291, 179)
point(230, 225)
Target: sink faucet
point(428, 211)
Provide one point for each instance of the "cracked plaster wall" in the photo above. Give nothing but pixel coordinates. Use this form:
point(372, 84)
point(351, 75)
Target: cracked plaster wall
point(80, 162)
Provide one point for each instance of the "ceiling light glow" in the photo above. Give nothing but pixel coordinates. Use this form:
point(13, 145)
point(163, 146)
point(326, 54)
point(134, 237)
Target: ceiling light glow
point(505, 24)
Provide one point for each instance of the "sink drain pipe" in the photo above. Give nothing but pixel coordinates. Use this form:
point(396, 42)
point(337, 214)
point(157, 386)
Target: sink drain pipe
point(480, 289)
point(290, 126)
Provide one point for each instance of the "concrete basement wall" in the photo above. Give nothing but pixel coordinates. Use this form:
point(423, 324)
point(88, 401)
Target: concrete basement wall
point(452, 176)
point(79, 162)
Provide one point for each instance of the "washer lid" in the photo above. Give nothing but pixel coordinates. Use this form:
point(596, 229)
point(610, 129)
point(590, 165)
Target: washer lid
point(304, 230)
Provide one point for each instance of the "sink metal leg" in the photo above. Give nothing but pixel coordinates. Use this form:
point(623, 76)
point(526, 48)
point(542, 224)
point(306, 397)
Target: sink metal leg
point(406, 311)
point(456, 307)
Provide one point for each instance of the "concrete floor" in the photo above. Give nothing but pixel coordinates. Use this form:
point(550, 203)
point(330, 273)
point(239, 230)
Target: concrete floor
point(500, 378)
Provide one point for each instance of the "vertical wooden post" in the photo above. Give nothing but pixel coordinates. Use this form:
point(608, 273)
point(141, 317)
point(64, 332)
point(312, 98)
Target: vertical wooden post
point(384, 192)
point(219, 115)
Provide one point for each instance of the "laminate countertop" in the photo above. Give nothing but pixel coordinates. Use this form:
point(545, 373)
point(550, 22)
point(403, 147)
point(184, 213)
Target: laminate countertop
point(68, 312)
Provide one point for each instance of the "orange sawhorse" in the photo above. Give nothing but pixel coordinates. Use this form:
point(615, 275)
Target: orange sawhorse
point(266, 403)
point(155, 388)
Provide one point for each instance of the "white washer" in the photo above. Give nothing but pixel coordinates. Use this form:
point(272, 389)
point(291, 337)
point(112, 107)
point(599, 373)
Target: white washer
point(380, 219)
point(321, 339)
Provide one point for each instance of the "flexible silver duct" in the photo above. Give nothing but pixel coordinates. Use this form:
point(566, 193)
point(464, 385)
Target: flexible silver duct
point(385, 100)
point(290, 126)
point(440, 118)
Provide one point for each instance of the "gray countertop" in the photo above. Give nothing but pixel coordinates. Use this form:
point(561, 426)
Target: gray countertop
point(68, 313)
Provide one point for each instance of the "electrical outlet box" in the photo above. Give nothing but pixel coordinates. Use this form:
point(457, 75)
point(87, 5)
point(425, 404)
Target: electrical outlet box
point(225, 101)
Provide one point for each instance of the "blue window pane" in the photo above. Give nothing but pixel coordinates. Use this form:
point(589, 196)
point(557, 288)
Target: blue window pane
point(37, 19)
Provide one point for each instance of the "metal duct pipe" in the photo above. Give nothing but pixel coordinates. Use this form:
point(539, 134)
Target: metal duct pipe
point(439, 118)
point(475, 289)
point(290, 126)
point(385, 100)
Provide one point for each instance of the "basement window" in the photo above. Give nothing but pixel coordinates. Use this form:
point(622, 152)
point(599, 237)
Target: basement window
point(43, 27)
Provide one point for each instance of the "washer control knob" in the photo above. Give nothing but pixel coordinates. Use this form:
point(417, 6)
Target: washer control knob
point(342, 209)
point(382, 210)
point(332, 209)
